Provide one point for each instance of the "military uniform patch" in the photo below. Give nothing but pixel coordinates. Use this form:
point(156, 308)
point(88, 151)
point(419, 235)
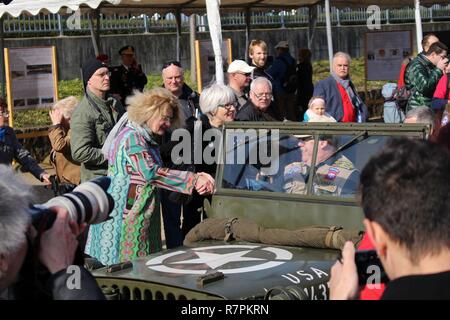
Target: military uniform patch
point(332, 173)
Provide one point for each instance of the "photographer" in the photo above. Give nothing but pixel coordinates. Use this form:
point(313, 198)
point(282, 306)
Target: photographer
point(404, 194)
point(21, 248)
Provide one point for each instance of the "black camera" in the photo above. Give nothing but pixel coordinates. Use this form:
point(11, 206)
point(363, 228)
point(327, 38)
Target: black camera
point(369, 265)
point(89, 202)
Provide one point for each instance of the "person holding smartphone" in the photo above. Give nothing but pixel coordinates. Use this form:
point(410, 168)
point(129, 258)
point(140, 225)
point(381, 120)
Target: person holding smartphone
point(404, 195)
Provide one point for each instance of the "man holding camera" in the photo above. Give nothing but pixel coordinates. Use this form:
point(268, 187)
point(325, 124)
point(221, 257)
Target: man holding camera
point(423, 74)
point(404, 194)
point(23, 248)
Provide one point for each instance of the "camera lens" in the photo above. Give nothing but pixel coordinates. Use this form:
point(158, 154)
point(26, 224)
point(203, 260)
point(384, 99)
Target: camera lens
point(89, 202)
point(101, 202)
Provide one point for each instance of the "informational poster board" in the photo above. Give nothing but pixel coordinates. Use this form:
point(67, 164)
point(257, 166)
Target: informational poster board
point(385, 52)
point(31, 78)
point(206, 63)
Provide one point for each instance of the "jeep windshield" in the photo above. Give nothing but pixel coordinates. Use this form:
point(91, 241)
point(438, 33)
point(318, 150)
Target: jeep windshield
point(302, 159)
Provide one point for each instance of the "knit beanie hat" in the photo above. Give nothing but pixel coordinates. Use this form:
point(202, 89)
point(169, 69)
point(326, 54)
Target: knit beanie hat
point(89, 69)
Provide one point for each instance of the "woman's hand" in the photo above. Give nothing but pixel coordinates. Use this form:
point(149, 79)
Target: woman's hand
point(45, 177)
point(56, 116)
point(205, 184)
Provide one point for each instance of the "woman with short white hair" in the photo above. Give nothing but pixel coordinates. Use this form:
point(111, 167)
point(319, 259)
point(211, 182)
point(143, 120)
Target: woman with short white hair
point(218, 104)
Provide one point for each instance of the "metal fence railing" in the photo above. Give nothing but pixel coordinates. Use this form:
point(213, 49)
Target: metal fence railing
point(74, 23)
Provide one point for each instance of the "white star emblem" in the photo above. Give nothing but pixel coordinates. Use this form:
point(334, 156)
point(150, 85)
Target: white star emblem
point(214, 260)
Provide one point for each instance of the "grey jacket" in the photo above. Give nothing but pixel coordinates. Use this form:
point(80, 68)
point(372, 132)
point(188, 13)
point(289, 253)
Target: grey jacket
point(11, 149)
point(91, 122)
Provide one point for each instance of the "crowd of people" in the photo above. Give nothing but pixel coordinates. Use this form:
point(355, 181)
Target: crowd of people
point(146, 180)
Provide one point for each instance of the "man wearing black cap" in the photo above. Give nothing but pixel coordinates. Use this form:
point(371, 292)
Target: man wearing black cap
point(93, 119)
point(128, 76)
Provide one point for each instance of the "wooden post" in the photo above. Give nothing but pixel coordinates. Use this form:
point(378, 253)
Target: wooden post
point(8, 88)
point(2, 57)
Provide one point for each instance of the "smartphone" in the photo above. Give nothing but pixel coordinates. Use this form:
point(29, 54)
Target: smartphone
point(370, 269)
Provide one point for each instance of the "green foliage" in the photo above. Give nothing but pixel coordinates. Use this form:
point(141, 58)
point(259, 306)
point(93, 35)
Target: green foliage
point(68, 88)
point(32, 118)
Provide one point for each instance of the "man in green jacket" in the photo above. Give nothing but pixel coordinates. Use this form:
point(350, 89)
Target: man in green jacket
point(93, 119)
point(423, 74)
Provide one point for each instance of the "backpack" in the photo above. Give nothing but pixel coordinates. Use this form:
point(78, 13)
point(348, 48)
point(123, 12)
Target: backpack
point(290, 78)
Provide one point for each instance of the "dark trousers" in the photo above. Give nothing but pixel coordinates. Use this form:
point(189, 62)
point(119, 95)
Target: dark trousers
point(192, 213)
point(287, 106)
point(171, 213)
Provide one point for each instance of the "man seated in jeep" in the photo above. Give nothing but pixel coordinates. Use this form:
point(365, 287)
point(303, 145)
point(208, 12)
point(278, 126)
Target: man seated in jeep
point(335, 173)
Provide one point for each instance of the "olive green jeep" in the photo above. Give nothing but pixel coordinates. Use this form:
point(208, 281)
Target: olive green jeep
point(282, 209)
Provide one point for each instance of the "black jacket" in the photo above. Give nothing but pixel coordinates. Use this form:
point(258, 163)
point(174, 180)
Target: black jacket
point(124, 81)
point(434, 286)
point(260, 72)
point(208, 147)
point(250, 113)
point(11, 149)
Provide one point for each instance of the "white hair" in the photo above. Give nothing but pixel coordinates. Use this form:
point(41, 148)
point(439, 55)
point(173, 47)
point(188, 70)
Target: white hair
point(181, 70)
point(341, 54)
point(260, 80)
point(66, 106)
point(214, 96)
point(14, 217)
point(423, 114)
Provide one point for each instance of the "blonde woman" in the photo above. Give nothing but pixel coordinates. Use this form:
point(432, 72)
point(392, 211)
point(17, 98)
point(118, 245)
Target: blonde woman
point(136, 170)
point(67, 170)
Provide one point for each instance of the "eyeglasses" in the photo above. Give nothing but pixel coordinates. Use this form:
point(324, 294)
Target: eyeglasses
point(245, 74)
point(169, 63)
point(262, 95)
point(166, 118)
point(103, 74)
point(228, 106)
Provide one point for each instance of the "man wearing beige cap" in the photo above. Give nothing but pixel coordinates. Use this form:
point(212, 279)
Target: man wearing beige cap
point(284, 82)
point(239, 78)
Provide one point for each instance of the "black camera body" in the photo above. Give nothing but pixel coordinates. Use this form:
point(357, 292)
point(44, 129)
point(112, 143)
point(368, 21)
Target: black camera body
point(89, 202)
point(368, 264)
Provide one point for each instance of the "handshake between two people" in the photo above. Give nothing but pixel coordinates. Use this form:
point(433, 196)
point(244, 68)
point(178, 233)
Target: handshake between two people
point(204, 184)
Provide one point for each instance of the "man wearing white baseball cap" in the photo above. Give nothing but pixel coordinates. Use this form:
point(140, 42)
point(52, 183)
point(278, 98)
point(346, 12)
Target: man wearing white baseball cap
point(239, 78)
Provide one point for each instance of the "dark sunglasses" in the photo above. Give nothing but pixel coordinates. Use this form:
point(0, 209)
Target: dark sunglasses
point(169, 63)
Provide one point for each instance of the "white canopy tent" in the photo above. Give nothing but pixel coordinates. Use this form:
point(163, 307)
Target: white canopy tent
point(33, 7)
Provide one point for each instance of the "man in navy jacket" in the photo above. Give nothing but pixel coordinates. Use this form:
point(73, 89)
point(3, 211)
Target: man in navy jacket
point(341, 96)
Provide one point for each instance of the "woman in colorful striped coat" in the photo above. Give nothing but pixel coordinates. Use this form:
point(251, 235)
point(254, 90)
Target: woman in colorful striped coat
point(135, 167)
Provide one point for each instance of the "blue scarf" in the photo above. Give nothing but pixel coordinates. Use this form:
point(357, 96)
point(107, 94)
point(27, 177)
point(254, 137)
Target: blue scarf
point(2, 133)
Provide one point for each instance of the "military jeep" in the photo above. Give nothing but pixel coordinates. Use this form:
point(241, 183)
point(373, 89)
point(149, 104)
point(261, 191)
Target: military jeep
point(254, 185)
